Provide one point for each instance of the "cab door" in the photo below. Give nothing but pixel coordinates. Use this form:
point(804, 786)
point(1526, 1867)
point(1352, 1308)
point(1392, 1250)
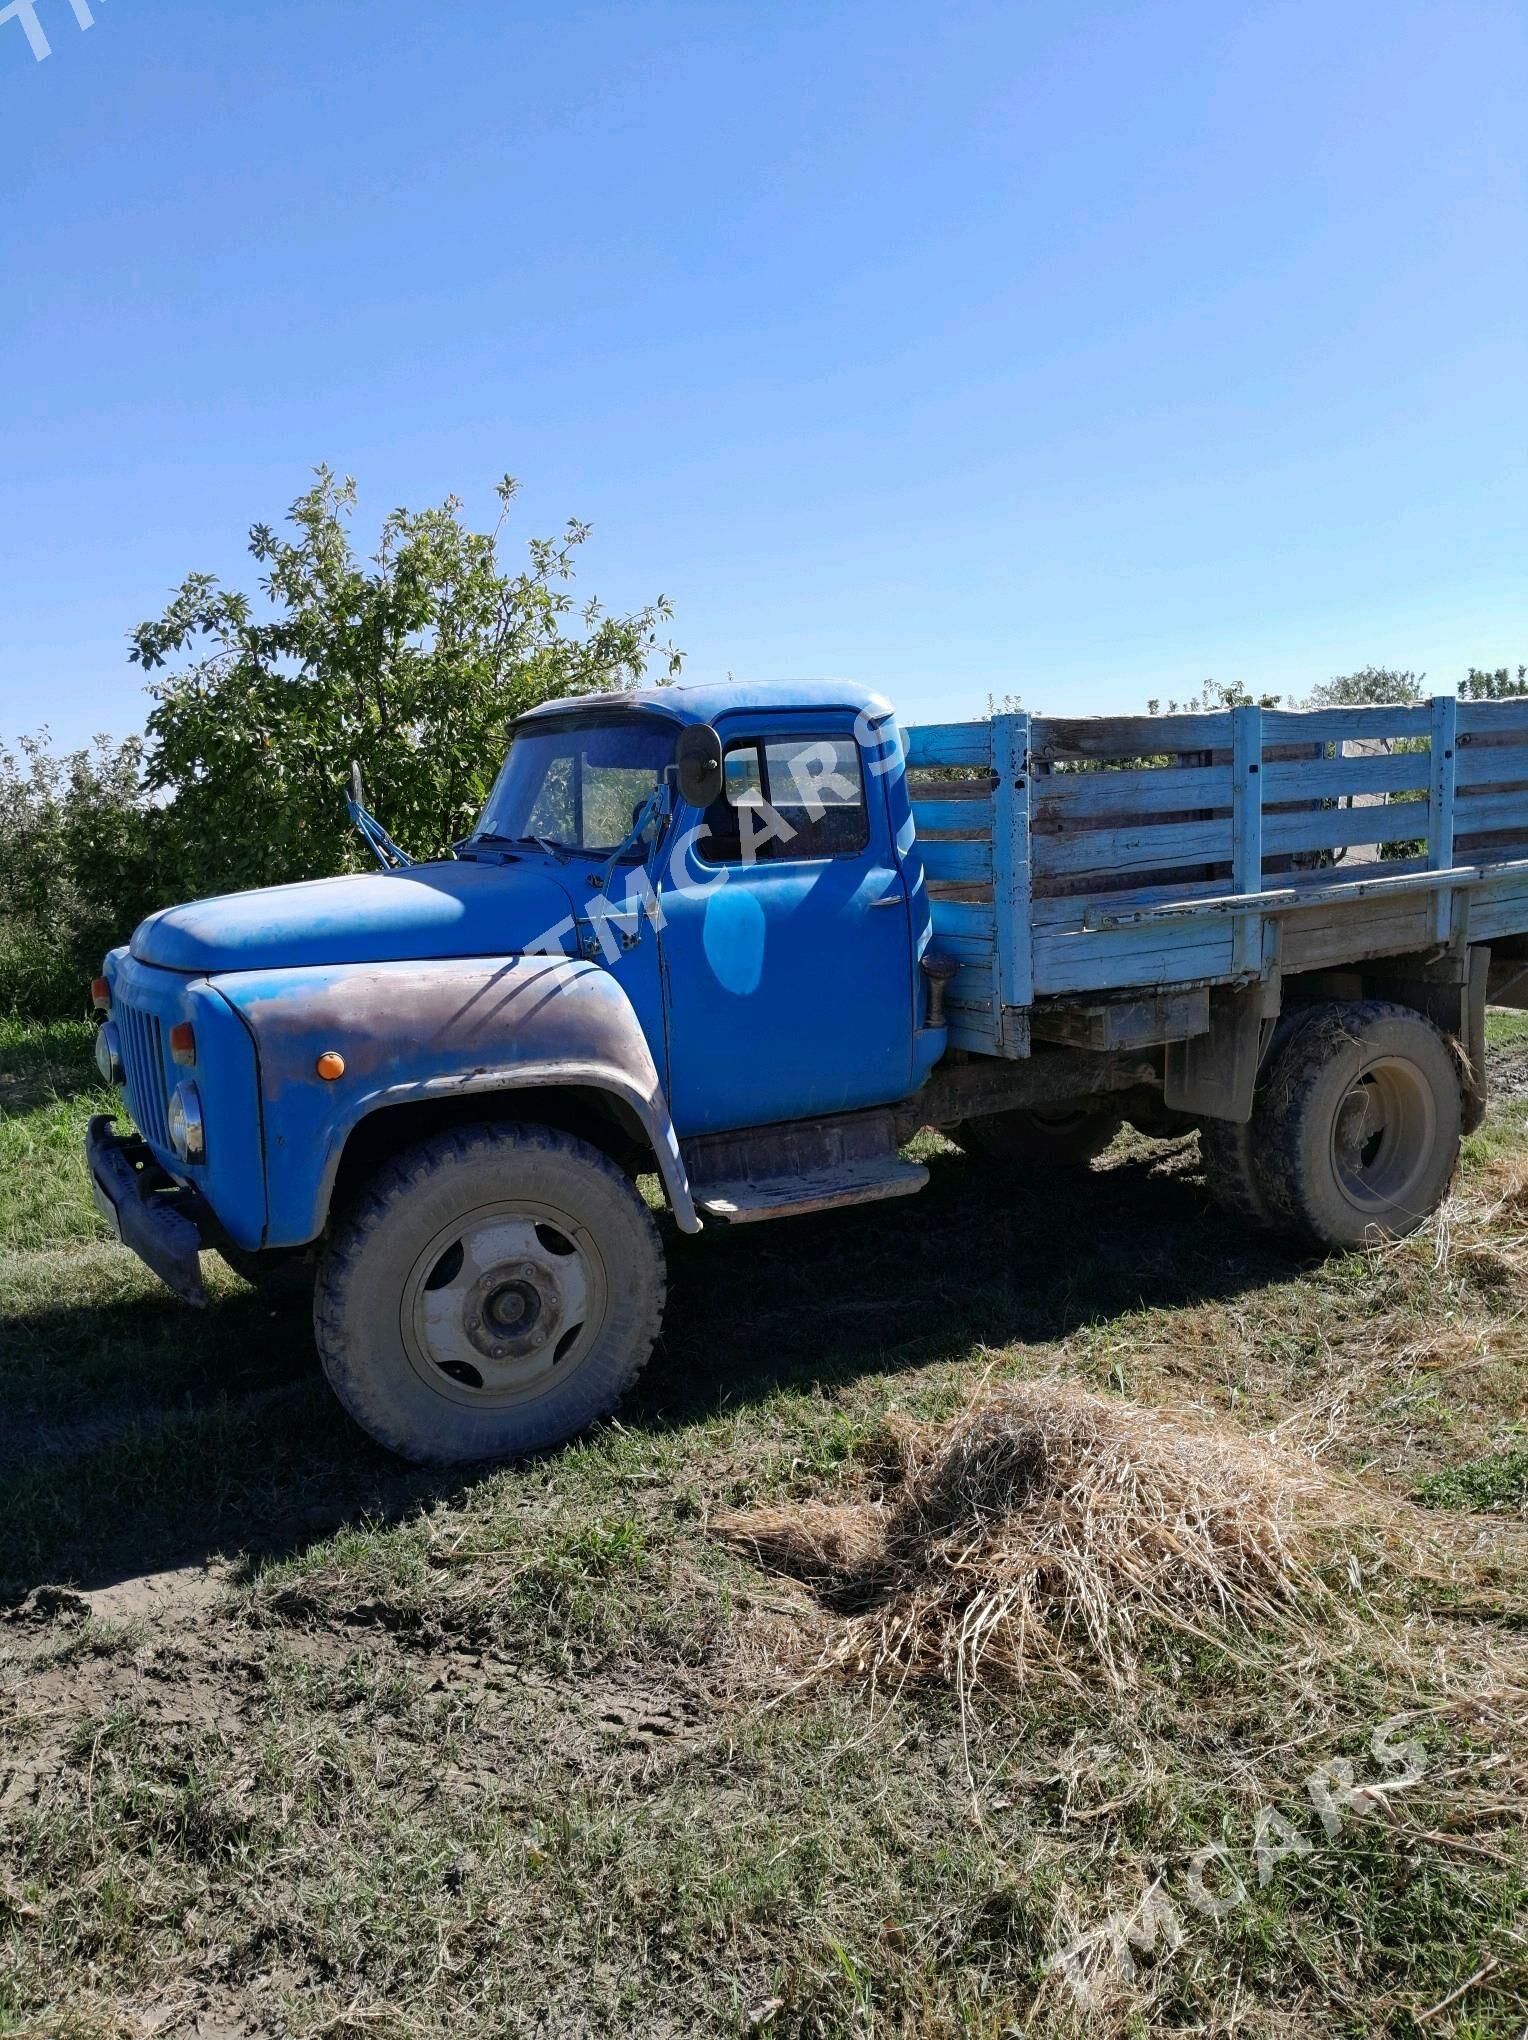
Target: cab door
point(786, 945)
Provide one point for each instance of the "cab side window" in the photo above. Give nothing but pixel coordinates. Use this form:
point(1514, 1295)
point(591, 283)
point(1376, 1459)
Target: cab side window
point(787, 799)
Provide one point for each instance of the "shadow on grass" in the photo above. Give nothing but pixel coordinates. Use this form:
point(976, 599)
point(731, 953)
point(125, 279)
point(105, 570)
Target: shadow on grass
point(138, 1435)
point(41, 1063)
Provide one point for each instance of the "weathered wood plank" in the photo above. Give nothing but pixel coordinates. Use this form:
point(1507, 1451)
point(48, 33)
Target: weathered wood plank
point(963, 863)
point(968, 743)
point(1338, 828)
point(1126, 736)
point(1166, 953)
point(936, 815)
point(1344, 725)
point(972, 985)
point(963, 917)
point(1491, 764)
point(1476, 811)
point(1144, 848)
point(1011, 852)
point(1320, 936)
point(1488, 718)
point(1336, 778)
point(1247, 829)
point(1141, 790)
point(973, 1032)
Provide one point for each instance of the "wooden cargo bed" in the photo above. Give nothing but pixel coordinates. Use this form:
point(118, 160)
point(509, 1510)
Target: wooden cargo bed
point(1069, 858)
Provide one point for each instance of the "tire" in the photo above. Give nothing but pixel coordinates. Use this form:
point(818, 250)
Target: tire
point(280, 1277)
point(1064, 1138)
point(1231, 1154)
point(493, 1291)
point(1358, 1123)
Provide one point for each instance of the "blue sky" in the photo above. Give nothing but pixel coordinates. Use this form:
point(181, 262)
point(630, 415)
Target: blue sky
point(1076, 351)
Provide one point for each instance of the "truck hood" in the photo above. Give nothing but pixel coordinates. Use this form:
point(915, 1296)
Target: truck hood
point(433, 910)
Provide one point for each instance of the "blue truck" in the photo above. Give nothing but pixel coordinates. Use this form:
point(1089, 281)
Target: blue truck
point(744, 942)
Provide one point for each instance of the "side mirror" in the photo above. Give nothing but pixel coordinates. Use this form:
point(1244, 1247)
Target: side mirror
point(698, 765)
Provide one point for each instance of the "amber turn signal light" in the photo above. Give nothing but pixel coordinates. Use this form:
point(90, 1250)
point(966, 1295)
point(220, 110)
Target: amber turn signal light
point(183, 1044)
point(100, 995)
point(330, 1065)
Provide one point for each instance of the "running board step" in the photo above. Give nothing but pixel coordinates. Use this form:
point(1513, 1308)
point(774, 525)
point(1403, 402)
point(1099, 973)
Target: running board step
point(803, 1165)
point(745, 1201)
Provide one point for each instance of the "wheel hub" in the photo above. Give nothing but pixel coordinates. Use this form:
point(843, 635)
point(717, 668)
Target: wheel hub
point(500, 1303)
point(1382, 1135)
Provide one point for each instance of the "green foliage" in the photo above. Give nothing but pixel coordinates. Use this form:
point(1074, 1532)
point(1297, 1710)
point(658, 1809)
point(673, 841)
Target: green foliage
point(1497, 1481)
point(1215, 696)
point(1370, 687)
point(79, 847)
point(1502, 684)
point(413, 662)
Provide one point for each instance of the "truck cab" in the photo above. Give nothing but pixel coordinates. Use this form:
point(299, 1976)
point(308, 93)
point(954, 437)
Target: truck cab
point(439, 1085)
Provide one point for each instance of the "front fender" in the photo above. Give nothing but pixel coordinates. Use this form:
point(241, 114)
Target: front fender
point(412, 1032)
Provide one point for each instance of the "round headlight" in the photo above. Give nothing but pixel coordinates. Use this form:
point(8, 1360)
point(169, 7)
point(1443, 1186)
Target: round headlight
point(184, 1119)
point(109, 1055)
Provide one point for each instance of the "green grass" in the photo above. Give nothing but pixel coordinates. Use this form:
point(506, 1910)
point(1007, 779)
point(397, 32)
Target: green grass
point(310, 1743)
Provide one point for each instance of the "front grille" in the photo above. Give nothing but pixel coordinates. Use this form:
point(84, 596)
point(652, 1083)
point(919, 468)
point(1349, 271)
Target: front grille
point(148, 1092)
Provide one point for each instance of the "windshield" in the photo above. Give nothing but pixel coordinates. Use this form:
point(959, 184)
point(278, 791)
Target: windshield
point(577, 784)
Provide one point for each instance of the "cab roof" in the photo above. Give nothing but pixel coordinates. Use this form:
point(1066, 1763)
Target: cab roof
point(706, 701)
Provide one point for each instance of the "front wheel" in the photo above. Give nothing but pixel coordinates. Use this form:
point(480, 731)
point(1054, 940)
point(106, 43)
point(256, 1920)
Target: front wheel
point(495, 1290)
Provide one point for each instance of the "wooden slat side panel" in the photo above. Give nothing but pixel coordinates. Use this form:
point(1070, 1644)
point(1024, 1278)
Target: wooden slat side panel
point(1499, 906)
point(1142, 848)
point(967, 743)
point(1320, 937)
point(1070, 910)
point(1163, 953)
point(1145, 790)
point(1492, 718)
point(1345, 725)
point(1343, 778)
point(952, 817)
point(973, 1032)
point(1338, 828)
point(962, 863)
point(1127, 736)
point(1491, 764)
point(972, 985)
point(963, 917)
point(1476, 811)
point(1012, 848)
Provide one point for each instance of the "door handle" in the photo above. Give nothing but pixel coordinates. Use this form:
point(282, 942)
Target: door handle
point(891, 899)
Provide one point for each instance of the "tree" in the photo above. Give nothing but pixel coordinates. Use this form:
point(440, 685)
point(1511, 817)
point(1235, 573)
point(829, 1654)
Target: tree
point(78, 866)
point(1369, 687)
point(1497, 685)
point(1216, 696)
point(412, 663)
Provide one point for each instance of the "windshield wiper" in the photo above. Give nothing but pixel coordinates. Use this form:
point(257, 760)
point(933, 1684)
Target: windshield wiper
point(545, 843)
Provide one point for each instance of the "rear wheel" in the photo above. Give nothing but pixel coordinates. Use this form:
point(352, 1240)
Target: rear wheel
point(494, 1291)
point(1358, 1123)
point(1056, 1137)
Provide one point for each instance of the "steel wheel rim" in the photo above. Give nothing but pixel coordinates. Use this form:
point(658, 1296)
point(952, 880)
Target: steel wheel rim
point(502, 1305)
point(1383, 1134)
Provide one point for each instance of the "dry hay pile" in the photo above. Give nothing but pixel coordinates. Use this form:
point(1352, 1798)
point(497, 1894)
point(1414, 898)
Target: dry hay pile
point(1047, 1531)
